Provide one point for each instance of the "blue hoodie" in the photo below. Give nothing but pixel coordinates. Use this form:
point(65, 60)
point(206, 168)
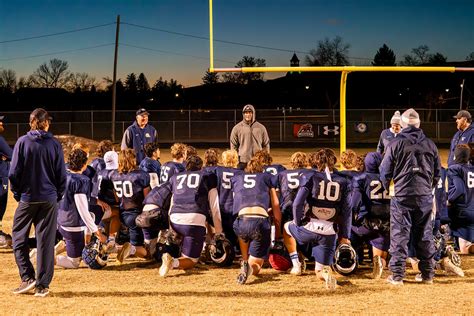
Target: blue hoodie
point(37, 170)
point(412, 161)
point(5, 153)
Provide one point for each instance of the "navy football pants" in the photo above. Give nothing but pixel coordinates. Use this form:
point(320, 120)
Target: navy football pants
point(411, 214)
point(44, 216)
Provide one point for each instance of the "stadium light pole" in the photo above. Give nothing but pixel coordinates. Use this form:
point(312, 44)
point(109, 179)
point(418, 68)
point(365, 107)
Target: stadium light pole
point(114, 79)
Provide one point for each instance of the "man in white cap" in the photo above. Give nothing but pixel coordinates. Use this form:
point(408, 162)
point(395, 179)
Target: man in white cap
point(390, 133)
point(464, 135)
point(411, 160)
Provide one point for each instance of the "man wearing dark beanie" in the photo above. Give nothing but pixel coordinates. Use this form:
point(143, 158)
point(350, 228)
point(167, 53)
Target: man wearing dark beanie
point(411, 160)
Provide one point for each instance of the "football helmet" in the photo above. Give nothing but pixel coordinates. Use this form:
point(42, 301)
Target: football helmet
point(222, 252)
point(345, 259)
point(95, 255)
point(279, 258)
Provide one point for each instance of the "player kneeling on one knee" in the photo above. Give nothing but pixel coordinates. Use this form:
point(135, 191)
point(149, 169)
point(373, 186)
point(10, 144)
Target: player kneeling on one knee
point(328, 216)
point(193, 193)
point(254, 194)
point(73, 212)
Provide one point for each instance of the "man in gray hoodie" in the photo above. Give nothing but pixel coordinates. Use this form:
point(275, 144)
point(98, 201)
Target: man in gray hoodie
point(248, 136)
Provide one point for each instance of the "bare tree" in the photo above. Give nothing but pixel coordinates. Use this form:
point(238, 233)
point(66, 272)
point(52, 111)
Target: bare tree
point(470, 56)
point(329, 53)
point(418, 57)
point(54, 74)
point(8, 80)
point(82, 81)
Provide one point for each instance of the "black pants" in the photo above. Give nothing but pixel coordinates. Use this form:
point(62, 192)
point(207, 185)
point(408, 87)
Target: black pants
point(44, 216)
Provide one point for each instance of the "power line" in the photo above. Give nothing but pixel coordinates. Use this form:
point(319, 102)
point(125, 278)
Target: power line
point(55, 34)
point(228, 42)
point(59, 52)
point(174, 53)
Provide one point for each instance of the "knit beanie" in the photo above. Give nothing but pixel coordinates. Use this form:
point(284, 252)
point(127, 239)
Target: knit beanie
point(396, 118)
point(410, 118)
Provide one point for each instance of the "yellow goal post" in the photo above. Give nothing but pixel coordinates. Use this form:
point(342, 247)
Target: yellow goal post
point(344, 70)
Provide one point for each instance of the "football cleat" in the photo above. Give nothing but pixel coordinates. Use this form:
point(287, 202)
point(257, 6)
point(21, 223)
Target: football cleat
point(296, 270)
point(378, 268)
point(419, 278)
point(5, 240)
point(245, 272)
point(124, 253)
point(453, 256)
point(166, 265)
point(329, 279)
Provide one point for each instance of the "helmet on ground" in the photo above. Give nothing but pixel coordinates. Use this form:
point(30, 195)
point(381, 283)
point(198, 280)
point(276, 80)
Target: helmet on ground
point(345, 259)
point(279, 259)
point(222, 252)
point(94, 255)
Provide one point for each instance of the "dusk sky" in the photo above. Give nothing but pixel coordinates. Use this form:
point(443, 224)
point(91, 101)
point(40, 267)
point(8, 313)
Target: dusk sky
point(295, 25)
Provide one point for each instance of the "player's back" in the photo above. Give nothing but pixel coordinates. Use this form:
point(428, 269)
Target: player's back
point(289, 182)
point(224, 187)
point(465, 173)
point(190, 191)
point(328, 196)
point(129, 187)
point(274, 169)
point(170, 168)
point(252, 189)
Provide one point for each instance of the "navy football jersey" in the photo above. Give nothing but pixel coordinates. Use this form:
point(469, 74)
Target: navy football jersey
point(274, 169)
point(461, 189)
point(224, 187)
point(190, 191)
point(210, 169)
point(370, 197)
point(170, 168)
point(97, 164)
point(129, 188)
point(289, 182)
point(104, 189)
point(68, 215)
point(328, 200)
point(252, 189)
point(159, 196)
point(153, 167)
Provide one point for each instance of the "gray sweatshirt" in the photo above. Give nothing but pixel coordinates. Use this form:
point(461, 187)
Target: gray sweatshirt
point(248, 138)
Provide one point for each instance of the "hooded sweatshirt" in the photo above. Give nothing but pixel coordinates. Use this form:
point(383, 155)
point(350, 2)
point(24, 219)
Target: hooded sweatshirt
point(248, 138)
point(37, 171)
point(412, 161)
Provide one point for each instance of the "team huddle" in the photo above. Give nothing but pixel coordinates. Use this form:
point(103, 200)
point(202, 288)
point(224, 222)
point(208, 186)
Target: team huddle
point(334, 214)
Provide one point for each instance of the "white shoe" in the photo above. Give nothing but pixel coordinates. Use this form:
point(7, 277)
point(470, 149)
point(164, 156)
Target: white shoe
point(414, 264)
point(124, 253)
point(296, 270)
point(450, 267)
point(419, 278)
point(245, 271)
point(378, 267)
point(166, 264)
point(392, 281)
point(330, 280)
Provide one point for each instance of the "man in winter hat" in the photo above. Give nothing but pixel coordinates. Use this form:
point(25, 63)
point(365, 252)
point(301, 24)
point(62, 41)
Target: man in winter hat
point(390, 133)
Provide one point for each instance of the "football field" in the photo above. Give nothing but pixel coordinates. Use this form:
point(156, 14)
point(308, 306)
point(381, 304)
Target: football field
point(136, 288)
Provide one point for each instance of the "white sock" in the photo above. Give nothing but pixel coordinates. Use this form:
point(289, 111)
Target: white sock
point(133, 249)
point(175, 263)
point(294, 259)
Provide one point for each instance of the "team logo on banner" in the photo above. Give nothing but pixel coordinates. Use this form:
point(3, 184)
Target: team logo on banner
point(303, 130)
point(330, 129)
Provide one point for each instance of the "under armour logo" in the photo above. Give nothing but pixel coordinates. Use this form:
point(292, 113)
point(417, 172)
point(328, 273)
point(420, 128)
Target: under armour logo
point(328, 130)
point(5, 186)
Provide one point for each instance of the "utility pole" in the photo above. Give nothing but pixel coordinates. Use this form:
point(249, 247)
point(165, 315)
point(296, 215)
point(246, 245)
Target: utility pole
point(114, 85)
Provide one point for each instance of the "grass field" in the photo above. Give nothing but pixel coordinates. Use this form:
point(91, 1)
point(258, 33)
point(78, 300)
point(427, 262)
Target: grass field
point(136, 288)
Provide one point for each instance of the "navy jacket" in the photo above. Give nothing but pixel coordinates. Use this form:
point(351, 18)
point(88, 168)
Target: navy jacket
point(5, 153)
point(461, 137)
point(412, 161)
point(385, 137)
point(136, 138)
point(37, 171)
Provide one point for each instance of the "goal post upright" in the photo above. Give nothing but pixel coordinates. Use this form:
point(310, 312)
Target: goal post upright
point(345, 70)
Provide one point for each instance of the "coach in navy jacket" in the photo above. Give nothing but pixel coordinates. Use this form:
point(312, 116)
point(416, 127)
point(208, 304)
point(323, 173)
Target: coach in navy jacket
point(38, 180)
point(411, 160)
point(464, 135)
point(138, 134)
